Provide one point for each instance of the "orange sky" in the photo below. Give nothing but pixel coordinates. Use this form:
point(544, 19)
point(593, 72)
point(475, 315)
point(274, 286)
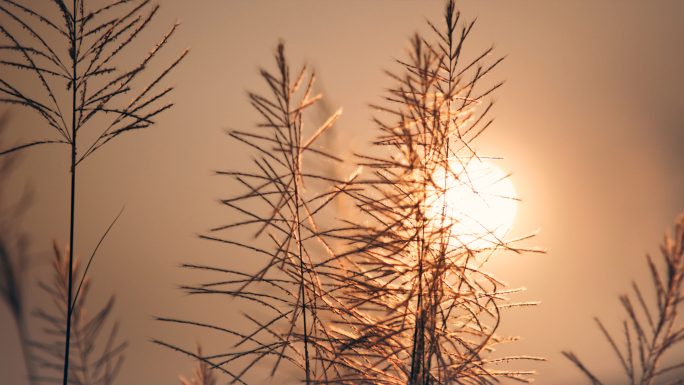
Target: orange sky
point(591, 121)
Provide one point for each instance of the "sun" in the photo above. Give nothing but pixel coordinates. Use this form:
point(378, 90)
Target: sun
point(480, 201)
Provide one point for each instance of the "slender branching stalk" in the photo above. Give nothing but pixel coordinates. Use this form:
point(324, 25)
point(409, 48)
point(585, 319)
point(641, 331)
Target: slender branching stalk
point(86, 368)
point(77, 51)
point(418, 307)
point(648, 335)
point(279, 206)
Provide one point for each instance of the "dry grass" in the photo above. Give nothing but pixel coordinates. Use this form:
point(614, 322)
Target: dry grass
point(69, 47)
point(418, 308)
point(648, 334)
point(90, 365)
point(280, 208)
point(407, 301)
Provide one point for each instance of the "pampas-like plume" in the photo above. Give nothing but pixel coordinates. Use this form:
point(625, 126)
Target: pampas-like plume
point(70, 47)
point(418, 307)
point(648, 335)
point(279, 207)
point(406, 302)
point(86, 368)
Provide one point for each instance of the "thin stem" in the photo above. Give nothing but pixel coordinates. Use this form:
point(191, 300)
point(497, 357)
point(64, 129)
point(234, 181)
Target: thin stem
point(73, 197)
point(296, 173)
point(302, 283)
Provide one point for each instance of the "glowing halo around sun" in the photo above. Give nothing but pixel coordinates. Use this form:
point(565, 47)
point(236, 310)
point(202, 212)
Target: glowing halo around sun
point(479, 201)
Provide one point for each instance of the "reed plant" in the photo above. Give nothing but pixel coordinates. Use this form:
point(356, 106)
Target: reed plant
point(71, 47)
point(651, 328)
point(394, 294)
point(418, 306)
point(279, 207)
point(91, 363)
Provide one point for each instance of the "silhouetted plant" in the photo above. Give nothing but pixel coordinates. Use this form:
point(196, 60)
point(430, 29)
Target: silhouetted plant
point(419, 309)
point(648, 335)
point(407, 301)
point(77, 51)
point(278, 210)
point(86, 368)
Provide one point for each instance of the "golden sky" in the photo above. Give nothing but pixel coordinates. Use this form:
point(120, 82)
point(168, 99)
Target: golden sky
point(590, 119)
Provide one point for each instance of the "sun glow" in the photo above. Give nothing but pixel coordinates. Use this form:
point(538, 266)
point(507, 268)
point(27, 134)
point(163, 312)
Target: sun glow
point(479, 201)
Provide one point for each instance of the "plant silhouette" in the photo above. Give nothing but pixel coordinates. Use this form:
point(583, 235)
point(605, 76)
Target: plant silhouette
point(86, 368)
point(396, 293)
point(648, 335)
point(419, 308)
point(74, 48)
point(280, 207)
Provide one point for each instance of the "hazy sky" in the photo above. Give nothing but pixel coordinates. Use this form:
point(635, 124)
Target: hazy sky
point(590, 119)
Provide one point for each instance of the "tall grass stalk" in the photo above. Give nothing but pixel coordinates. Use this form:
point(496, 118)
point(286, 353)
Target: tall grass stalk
point(279, 206)
point(419, 309)
point(648, 334)
point(402, 297)
point(77, 51)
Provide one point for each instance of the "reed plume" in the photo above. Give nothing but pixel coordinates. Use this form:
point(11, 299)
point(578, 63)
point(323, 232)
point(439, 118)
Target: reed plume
point(280, 207)
point(87, 367)
point(648, 334)
point(418, 307)
point(74, 48)
point(402, 297)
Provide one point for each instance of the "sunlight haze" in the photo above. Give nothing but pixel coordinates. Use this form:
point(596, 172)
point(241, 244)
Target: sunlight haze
point(589, 121)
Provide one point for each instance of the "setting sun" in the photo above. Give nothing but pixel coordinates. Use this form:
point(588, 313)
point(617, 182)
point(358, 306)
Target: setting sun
point(481, 200)
point(332, 192)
